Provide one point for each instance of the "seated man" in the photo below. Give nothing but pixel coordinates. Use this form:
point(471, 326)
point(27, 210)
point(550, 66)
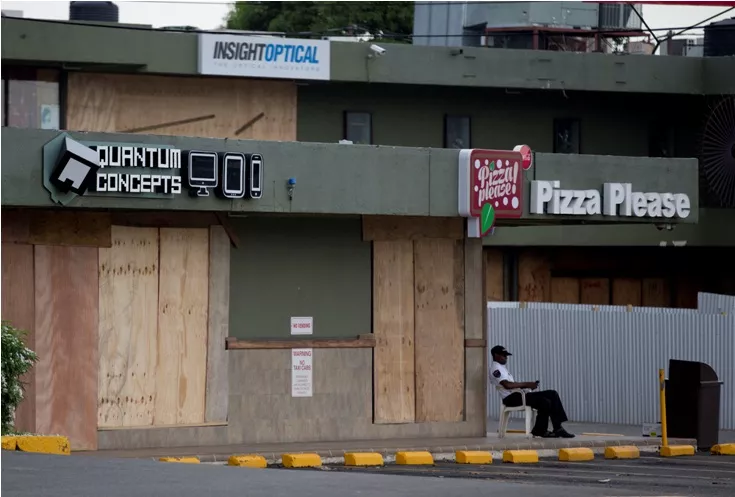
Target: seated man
point(547, 403)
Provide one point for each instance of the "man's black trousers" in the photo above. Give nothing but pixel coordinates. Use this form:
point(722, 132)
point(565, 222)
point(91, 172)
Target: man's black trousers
point(547, 404)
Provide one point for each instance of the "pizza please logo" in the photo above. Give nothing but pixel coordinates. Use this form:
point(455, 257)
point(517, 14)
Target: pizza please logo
point(491, 185)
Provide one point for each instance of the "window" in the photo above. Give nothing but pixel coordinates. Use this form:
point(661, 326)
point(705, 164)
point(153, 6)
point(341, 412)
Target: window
point(358, 127)
point(31, 98)
point(566, 136)
point(456, 132)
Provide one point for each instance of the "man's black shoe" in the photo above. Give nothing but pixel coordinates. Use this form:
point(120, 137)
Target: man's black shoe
point(548, 434)
point(562, 433)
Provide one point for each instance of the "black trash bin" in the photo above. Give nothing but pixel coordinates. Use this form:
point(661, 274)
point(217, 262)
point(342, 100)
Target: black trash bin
point(693, 402)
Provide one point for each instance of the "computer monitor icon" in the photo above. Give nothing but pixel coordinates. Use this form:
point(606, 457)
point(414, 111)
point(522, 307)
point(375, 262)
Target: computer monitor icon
point(202, 172)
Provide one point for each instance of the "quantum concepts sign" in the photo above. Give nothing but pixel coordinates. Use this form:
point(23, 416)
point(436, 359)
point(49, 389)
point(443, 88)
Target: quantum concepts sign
point(123, 170)
point(263, 57)
point(617, 199)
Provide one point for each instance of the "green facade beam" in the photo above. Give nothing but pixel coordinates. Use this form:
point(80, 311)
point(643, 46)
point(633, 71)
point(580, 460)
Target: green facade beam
point(340, 179)
point(131, 49)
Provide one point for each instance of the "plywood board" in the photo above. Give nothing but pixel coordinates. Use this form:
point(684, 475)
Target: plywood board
point(217, 390)
point(626, 291)
point(15, 225)
point(239, 108)
point(439, 329)
point(393, 325)
point(73, 228)
point(411, 227)
point(656, 292)
point(18, 308)
point(66, 320)
point(164, 219)
point(475, 306)
point(128, 328)
point(595, 291)
point(534, 277)
point(686, 293)
point(494, 275)
point(565, 290)
point(182, 326)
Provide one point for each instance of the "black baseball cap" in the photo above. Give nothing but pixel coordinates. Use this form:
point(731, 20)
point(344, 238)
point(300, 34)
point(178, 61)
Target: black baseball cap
point(499, 350)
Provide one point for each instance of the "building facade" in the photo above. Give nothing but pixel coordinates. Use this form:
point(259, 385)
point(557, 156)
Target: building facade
point(220, 270)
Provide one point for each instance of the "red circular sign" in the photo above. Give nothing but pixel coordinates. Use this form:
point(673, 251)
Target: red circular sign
point(527, 155)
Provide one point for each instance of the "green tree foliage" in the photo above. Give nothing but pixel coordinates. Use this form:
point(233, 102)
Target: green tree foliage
point(323, 18)
point(17, 360)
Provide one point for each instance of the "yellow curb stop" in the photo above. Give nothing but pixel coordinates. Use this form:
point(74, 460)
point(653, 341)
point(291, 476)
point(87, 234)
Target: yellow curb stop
point(10, 442)
point(622, 452)
point(719, 449)
point(301, 460)
point(677, 450)
point(520, 456)
point(421, 458)
point(247, 461)
point(183, 460)
point(576, 454)
point(43, 444)
point(473, 457)
point(363, 459)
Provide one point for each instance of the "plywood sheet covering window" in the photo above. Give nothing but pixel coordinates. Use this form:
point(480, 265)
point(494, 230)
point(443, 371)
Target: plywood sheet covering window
point(565, 290)
point(182, 326)
point(393, 326)
point(128, 327)
point(166, 105)
point(493, 275)
point(656, 292)
point(17, 308)
point(439, 329)
point(66, 323)
point(534, 277)
point(595, 291)
point(87, 229)
point(626, 291)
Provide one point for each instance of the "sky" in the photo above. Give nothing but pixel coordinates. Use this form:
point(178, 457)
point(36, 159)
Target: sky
point(210, 14)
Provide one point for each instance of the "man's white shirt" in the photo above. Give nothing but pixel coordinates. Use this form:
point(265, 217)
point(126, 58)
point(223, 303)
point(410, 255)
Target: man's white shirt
point(499, 373)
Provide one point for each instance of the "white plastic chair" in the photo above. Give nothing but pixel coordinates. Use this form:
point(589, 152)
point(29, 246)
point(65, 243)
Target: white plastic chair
point(505, 412)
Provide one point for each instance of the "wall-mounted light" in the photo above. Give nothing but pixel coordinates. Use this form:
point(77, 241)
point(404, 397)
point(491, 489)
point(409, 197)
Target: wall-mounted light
point(290, 185)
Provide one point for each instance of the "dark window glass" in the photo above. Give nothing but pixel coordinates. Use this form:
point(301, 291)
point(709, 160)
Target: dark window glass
point(457, 132)
point(31, 98)
point(566, 136)
point(359, 127)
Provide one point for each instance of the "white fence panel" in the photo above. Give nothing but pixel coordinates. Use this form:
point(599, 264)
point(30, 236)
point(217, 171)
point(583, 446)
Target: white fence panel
point(605, 364)
point(713, 302)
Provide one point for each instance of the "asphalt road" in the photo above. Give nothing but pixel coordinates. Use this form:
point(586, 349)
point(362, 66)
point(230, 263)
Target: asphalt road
point(36, 475)
point(701, 475)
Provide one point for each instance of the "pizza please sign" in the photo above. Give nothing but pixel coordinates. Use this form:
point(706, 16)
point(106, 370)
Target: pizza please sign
point(491, 186)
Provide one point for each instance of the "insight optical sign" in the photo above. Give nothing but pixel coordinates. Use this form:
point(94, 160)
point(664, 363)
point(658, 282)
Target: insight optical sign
point(263, 57)
point(616, 199)
point(145, 170)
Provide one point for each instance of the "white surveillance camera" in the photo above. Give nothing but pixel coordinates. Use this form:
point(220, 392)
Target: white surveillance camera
point(378, 51)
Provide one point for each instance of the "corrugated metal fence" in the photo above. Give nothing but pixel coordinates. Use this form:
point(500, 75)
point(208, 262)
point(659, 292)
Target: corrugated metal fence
point(605, 364)
point(712, 302)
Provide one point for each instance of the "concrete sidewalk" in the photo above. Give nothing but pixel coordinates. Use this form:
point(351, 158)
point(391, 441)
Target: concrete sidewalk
point(600, 436)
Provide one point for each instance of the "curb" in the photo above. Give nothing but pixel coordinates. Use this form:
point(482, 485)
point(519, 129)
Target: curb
point(497, 455)
point(441, 453)
point(39, 444)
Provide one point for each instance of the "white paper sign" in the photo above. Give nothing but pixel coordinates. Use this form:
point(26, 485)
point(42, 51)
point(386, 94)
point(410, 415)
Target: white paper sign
point(302, 325)
point(301, 373)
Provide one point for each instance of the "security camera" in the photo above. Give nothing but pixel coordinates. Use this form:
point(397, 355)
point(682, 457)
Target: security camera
point(378, 51)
